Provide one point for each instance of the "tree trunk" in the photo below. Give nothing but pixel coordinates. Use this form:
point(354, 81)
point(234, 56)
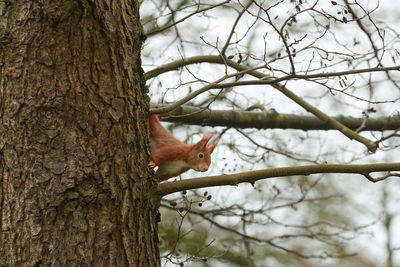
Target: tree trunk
point(74, 185)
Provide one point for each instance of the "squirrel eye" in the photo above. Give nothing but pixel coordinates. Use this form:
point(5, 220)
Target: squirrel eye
point(200, 155)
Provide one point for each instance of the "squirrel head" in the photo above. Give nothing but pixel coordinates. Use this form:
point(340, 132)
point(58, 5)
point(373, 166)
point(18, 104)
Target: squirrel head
point(200, 154)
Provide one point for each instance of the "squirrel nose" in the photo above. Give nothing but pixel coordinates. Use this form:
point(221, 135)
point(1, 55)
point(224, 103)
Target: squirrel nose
point(204, 169)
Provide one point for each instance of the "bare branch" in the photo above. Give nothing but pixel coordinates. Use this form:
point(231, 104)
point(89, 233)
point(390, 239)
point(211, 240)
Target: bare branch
point(234, 27)
point(372, 146)
point(161, 29)
point(253, 176)
point(273, 120)
point(217, 59)
point(214, 85)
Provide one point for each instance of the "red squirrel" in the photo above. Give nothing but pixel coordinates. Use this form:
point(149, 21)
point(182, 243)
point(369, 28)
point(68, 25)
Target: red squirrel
point(174, 157)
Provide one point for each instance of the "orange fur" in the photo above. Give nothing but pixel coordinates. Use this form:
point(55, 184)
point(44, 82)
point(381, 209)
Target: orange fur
point(174, 157)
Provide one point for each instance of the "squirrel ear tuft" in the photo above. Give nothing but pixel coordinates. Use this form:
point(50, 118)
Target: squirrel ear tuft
point(212, 146)
point(203, 142)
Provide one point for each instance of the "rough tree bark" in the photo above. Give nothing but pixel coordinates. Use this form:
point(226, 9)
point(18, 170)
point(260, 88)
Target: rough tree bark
point(74, 189)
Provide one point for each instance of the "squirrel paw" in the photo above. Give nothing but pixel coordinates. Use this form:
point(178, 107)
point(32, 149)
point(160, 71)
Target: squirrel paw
point(151, 164)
